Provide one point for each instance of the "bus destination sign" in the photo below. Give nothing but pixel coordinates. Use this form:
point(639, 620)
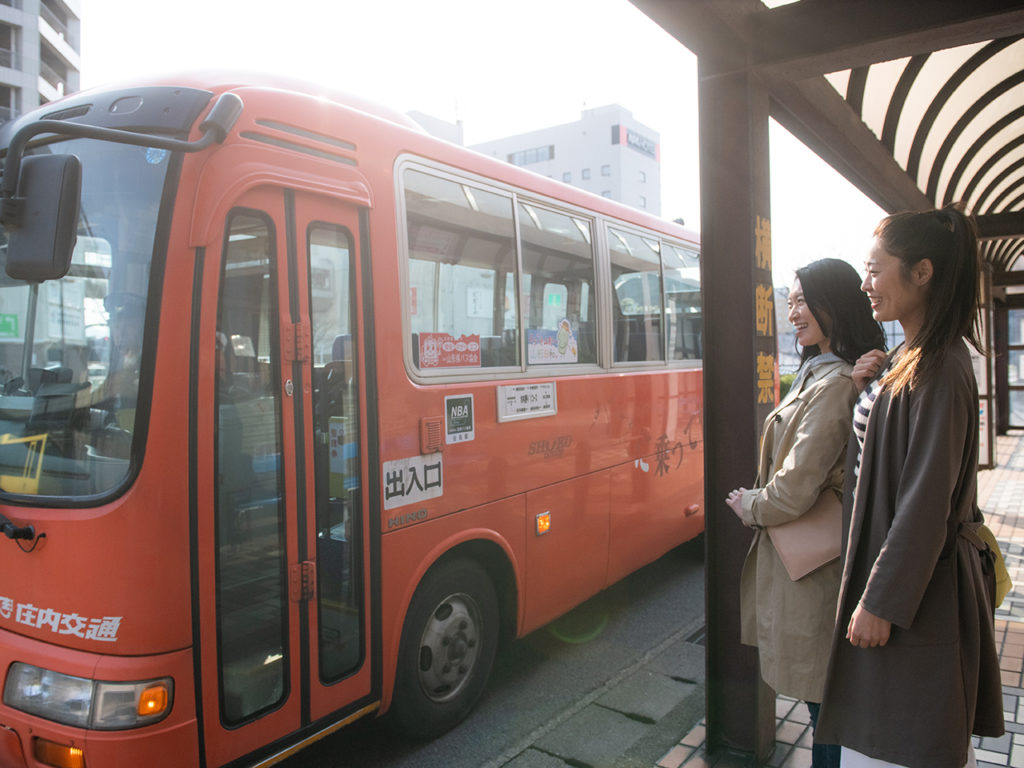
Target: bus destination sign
point(527, 401)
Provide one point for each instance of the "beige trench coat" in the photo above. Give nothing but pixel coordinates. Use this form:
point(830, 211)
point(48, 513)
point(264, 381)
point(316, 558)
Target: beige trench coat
point(803, 448)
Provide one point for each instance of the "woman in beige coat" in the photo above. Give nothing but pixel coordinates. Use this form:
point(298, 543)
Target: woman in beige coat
point(803, 447)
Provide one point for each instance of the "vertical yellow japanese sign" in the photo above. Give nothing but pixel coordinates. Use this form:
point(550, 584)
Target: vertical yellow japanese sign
point(764, 312)
point(763, 243)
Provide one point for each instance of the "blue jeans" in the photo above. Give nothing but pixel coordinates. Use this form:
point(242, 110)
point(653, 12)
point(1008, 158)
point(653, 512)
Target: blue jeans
point(822, 755)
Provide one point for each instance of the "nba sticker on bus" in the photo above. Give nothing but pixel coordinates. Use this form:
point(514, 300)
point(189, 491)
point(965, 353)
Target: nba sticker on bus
point(416, 478)
point(458, 419)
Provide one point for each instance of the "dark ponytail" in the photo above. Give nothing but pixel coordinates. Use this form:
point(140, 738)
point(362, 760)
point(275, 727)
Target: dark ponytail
point(948, 239)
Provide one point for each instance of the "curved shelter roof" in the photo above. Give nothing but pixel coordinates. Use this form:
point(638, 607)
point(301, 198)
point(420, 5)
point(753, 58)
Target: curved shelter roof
point(918, 103)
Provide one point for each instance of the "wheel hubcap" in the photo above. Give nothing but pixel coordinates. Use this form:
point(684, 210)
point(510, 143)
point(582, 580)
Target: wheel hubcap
point(449, 647)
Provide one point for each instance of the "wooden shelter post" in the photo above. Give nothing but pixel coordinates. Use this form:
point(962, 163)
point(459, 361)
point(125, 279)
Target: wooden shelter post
point(739, 385)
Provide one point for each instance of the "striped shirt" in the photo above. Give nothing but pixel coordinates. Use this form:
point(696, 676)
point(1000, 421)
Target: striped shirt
point(861, 412)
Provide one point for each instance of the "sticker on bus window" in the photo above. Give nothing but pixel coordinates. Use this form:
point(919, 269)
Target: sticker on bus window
point(458, 419)
point(417, 478)
point(442, 350)
point(545, 346)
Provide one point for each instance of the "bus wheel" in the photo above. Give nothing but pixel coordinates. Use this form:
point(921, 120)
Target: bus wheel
point(448, 645)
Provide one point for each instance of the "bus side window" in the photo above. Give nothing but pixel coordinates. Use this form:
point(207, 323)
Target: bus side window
point(637, 334)
point(558, 285)
point(462, 252)
point(683, 311)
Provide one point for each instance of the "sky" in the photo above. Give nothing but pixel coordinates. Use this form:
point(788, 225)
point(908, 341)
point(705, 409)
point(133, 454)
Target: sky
point(499, 68)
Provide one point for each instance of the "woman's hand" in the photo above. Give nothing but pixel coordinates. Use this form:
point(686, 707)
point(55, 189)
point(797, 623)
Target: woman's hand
point(867, 367)
point(867, 630)
point(735, 502)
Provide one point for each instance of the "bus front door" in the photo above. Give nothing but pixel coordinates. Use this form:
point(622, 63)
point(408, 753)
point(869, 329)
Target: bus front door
point(284, 630)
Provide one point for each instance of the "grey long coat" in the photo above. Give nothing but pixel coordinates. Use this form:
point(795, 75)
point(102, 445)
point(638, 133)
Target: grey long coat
point(916, 700)
point(803, 445)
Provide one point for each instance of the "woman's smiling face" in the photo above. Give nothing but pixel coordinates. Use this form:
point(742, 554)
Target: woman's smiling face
point(895, 295)
point(808, 332)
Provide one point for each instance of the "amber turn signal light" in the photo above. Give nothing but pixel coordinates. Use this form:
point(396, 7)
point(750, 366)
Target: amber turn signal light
point(153, 700)
point(58, 755)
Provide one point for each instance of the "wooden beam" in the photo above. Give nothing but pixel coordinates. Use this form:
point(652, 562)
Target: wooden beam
point(1008, 278)
point(818, 116)
point(998, 226)
point(815, 37)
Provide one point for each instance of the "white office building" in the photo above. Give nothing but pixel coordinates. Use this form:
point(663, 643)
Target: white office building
point(606, 152)
point(40, 42)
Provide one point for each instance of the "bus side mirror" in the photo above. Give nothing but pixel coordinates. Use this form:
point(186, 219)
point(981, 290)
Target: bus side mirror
point(42, 221)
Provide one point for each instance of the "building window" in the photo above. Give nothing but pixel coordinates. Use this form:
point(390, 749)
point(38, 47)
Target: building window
point(607, 193)
point(585, 174)
point(643, 202)
point(567, 177)
point(643, 177)
point(530, 156)
point(606, 170)
point(7, 105)
point(6, 46)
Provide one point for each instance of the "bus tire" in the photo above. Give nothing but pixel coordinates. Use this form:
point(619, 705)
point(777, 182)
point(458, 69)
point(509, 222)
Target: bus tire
point(448, 645)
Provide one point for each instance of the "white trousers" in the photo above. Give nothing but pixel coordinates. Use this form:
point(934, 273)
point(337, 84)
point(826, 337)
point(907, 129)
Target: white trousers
point(853, 759)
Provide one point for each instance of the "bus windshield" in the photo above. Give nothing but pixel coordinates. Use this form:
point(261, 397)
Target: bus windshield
point(71, 349)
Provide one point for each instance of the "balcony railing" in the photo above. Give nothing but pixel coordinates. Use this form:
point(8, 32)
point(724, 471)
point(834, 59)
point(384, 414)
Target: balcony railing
point(59, 25)
point(52, 76)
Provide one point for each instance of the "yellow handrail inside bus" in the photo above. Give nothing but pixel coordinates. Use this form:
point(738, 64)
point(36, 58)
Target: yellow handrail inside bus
point(28, 482)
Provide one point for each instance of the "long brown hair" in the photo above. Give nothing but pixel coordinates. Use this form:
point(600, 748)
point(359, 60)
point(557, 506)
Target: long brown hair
point(948, 239)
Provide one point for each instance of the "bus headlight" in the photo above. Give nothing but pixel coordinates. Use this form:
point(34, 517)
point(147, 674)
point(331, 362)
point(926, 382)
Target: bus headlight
point(86, 703)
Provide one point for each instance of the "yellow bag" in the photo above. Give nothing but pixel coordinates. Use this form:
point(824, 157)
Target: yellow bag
point(1003, 582)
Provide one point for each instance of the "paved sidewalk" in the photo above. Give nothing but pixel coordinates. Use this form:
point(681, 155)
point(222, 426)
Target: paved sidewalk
point(1001, 497)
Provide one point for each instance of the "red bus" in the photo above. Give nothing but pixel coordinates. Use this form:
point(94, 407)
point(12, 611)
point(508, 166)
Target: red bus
point(304, 411)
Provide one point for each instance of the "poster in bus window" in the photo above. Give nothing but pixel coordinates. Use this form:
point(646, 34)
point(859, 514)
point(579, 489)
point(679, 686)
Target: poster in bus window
point(442, 350)
point(545, 346)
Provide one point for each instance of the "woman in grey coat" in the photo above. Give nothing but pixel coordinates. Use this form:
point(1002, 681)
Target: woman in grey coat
point(914, 669)
point(803, 444)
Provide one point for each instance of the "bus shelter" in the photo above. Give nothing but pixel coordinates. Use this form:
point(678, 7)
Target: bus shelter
point(919, 104)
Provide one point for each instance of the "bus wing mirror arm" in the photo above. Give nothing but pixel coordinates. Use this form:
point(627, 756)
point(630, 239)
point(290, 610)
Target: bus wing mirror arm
point(215, 127)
